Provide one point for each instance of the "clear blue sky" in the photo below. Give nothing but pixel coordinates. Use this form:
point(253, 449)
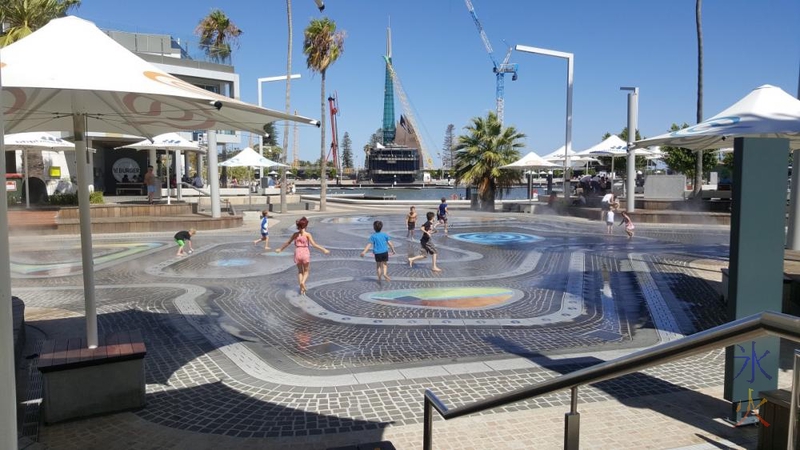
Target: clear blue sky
point(447, 75)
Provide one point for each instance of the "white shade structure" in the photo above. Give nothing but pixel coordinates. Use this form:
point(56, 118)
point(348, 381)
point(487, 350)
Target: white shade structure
point(530, 161)
point(47, 86)
point(33, 141)
point(558, 154)
point(249, 158)
point(169, 142)
point(766, 112)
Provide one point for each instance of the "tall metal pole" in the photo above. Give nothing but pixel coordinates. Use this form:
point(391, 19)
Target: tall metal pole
point(793, 233)
point(570, 66)
point(633, 118)
point(213, 173)
point(8, 394)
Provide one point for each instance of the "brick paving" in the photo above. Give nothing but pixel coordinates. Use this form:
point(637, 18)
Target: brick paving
point(238, 359)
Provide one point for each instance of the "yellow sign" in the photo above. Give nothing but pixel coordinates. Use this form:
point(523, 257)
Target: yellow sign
point(55, 172)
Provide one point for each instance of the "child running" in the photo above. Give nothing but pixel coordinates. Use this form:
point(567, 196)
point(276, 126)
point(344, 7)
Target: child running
point(442, 215)
point(302, 254)
point(380, 243)
point(182, 237)
point(427, 245)
point(628, 224)
point(264, 230)
point(610, 221)
point(411, 220)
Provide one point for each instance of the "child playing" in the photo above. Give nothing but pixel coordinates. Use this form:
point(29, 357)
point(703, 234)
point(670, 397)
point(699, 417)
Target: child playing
point(628, 224)
point(426, 244)
point(442, 215)
point(411, 220)
point(302, 255)
point(264, 230)
point(380, 243)
point(610, 221)
point(182, 237)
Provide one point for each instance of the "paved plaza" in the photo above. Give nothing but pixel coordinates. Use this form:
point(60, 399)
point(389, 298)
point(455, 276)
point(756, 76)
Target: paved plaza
point(237, 358)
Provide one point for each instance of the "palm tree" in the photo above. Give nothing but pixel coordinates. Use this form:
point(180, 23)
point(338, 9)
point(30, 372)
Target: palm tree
point(23, 17)
point(480, 153)
point(698, 174)
point(322, 45)
point(217, 33)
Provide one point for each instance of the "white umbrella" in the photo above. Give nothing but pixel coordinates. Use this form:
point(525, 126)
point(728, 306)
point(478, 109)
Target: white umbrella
point(33, 141)
point(167, 142)
point(46, 87)
point(558, 154)
point(249, 158)
point(766, 112)
point(530, 161)
point(613, 146)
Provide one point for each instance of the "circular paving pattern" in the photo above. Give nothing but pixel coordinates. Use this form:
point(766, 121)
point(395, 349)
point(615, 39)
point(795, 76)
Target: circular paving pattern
point(496, 238)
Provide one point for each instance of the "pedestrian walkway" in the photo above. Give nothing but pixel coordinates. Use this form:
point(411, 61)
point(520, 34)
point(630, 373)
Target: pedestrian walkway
point(237, 358)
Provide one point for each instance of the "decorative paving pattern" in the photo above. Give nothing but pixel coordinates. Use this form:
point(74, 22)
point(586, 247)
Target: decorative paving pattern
point(233, 348)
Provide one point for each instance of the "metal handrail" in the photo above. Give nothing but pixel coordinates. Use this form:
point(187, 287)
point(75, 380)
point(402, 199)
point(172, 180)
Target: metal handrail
point(765, 323)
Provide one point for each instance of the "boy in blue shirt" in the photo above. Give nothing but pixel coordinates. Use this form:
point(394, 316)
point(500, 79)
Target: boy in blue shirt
point(442, 214)
point(264, 230)
point(380, 243)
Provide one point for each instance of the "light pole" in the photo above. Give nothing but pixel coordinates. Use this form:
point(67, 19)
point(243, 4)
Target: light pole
point(633, 118)
point(570, 62)
point(286, 77)
point(267, 80)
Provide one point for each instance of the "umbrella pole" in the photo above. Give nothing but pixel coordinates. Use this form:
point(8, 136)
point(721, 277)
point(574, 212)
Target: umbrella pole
point(178, 176)
point(169, 185)
point(27, 179)
point(82, 162)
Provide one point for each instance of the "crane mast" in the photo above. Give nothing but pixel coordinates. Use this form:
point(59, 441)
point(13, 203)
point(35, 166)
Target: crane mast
point(401, 94)
point(333, 104)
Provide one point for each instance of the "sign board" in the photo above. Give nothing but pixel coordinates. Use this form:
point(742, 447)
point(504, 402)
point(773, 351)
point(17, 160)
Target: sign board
point(11, 186)
point(125, 166)
point(55, 172)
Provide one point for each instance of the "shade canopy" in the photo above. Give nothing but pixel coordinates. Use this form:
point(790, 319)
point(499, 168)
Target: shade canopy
point(46, 81)
point(558, 154)
point(611, 146)
point(249, 158)
point(166, 141)
point(766, 112)
point(530, 161)
point(35, 141)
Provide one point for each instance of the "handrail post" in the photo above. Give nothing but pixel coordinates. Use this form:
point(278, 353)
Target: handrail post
point(572, 423)
point(792, 442)
point(427, 424)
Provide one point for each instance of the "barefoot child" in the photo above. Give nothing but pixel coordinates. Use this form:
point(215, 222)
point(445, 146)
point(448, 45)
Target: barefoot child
point(182, 237)
point(411, 220)
point(442, 215)
point(264, 230)
point(302, 254)
point(628, 224)
point(610, 221)
point(380, 243)
point(427, 244)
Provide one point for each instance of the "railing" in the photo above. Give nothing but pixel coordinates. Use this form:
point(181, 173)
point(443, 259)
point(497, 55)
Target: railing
point(228, 204)
point(766, 323)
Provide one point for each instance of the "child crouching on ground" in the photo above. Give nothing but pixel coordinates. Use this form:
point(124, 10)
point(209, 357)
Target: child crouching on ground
point(182, 237)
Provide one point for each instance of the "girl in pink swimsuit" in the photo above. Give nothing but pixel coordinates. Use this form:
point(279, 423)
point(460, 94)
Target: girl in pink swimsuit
point(302, 253)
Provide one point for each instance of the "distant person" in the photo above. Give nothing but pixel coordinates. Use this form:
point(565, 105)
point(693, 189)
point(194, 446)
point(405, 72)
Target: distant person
point(125, 179)
point(182, 238)
point(151, 182)
point(626, 220)
point(426, 244)
point(302, 254)
point(610, 221)
point(442, 215)
point(264, 230)
point(411, 221)
point(234, 182)
point(198, 181)
point(380, 244)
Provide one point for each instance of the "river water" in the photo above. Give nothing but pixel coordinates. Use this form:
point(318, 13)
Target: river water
point(427, 193)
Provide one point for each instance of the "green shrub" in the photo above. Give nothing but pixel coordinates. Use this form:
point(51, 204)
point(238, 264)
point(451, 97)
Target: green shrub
point(96, 198)
point(67, 199)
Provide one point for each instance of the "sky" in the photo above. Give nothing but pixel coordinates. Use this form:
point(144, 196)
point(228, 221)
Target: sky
point(447, 73)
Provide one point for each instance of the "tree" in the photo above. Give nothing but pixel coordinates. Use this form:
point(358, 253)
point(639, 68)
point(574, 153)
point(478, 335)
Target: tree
point(23, 17)
point(621, 162)
point(217, 33)
point(700, 158)
point(322, 45)
point(481, 152)
point(448, 147)
point(347, 151)
point(683, 160)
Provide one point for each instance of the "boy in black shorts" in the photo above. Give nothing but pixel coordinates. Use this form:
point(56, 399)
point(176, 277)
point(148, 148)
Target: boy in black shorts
point(426, 244)
point(380, 243)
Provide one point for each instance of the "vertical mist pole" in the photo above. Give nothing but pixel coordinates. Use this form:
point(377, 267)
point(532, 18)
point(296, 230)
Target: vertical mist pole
point(633, 118)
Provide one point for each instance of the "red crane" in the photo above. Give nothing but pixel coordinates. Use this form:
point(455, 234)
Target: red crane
point(333, 103)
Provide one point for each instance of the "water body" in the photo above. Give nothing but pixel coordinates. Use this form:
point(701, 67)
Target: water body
point(417, 193)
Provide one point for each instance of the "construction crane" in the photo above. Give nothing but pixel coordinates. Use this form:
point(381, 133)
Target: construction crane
point(401, 94)
point(333, 104)
point(501, 69)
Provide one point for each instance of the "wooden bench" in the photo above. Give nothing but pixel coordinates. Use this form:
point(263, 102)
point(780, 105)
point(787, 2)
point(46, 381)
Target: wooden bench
point(80, 382)
point(136, 188)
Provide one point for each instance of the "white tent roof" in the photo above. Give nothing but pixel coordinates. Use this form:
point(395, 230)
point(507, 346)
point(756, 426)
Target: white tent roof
point(530, 161)
point(611, 146)
point(166, 141)
point(558, 154)
point(249, 158)
point(35, 140)
point(766, 112)
point(46, 80)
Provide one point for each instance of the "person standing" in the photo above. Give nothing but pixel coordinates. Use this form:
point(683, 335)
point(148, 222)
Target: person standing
point(626, 219)
point(605, 204)
point(264, 230)
point(426, 244)
point(411, 221)
point(443, 213)
point(302, 254)
point(609, 221)
point(151, 182)
point(380, 244)
point(182, 238)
